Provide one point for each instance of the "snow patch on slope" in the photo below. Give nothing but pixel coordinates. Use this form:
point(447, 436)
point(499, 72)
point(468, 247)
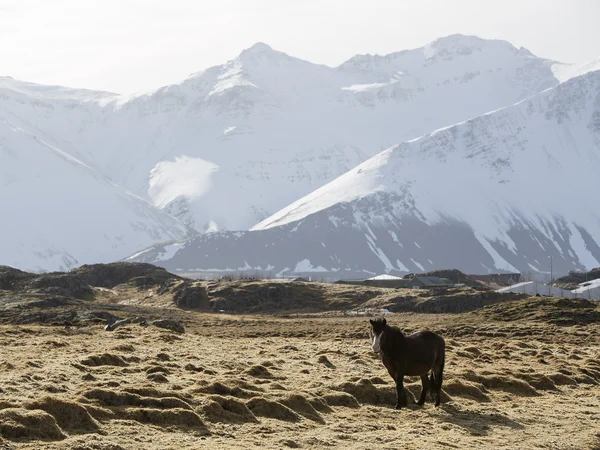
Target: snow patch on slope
point(57, 212)
point(306, 266)
point(185, 176)
point(564, 72)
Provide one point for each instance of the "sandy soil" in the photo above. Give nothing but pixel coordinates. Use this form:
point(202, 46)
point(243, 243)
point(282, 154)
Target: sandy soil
point(296, 382)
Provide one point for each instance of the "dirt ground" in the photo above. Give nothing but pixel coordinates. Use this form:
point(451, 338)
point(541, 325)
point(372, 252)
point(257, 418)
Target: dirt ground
point(312, 381)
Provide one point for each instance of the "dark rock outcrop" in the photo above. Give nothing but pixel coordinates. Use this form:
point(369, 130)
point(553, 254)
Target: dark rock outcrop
point(222, 304)
point(10, 278)
point(61, 284)
point(113, 274)
point(173, 325)
point(54, 283)
point(190, 296)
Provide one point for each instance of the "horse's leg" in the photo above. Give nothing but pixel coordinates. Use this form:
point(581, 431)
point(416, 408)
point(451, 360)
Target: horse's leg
point(425, 382)
point(432, 386)
point(393, 372)
point(391, 368)
point(400, 395)
point(439, 378)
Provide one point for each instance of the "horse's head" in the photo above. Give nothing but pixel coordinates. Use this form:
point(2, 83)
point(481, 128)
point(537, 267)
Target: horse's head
point(376, 333)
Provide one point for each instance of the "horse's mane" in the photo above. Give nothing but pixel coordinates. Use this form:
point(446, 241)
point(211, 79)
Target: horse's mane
point(395, 330)
point(382, 322)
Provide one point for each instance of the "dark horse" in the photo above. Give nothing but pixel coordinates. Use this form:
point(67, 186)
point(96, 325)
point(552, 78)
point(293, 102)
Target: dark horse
point(411, 355)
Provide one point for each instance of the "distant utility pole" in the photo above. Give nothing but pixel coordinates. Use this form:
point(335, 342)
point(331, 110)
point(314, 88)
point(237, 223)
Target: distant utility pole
point(551, 275)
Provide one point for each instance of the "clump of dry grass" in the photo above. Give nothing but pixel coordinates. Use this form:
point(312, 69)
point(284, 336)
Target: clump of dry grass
point(220, 388)
point(300, 405)
point(259, 381)
point(341, 399)
point(23, 424)
point(537, 381)
point(364, 391)
point(325, 361)
point(259, 371)
point(176, 417)
point(4, 404)
point(70, 415)
point(502, 382)
point(105, 359)
point(271, 409)
point(110, 398)
point(461, 388)
point(92, 442)
point(226, 409)
point(560, 379)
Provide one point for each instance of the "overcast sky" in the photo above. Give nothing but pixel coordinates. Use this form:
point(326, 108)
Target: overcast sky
point(129, 46)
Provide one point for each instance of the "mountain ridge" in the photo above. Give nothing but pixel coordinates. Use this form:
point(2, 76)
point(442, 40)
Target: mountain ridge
point(394, 212)
point(233, 144)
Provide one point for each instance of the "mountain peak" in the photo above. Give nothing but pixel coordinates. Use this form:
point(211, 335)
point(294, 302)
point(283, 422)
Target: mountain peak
point(463, 39)
point(261, 53)
point(258, 48)
point(462, 44)
point(447, 47)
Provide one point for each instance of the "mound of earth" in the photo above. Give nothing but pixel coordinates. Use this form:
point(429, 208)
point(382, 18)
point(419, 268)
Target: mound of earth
point(69, 415)
point(60, 284)
point(11, 278)
point(56, 283)
point(22, 424)
point(559, 311)
point(269, 296)
point(272, 409)
point(276, 296)
point(140, 294)
point(447, 301)
point(229, 410)
point(188, 295)
point(113, 274)
point(74, 298)
point(78, 283)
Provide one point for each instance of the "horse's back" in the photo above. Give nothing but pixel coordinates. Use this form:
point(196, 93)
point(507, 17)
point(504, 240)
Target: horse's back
point(426, 336)
point(424, 350)
point(425, 342)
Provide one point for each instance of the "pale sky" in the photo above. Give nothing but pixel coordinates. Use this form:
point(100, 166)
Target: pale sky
point(128, 46)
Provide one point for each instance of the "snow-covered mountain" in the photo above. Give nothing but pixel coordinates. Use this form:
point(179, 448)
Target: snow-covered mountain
point(233, 144)
point(503, 191)
point(57, 212)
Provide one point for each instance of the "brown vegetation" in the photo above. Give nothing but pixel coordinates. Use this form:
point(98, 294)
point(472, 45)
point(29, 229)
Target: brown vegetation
point(522, 373)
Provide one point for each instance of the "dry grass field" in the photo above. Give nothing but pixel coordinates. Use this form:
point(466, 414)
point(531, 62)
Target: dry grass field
point(522, 374)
